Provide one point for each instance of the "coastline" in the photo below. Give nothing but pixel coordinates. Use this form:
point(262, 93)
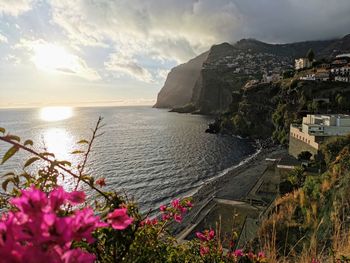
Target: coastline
point(235, 184)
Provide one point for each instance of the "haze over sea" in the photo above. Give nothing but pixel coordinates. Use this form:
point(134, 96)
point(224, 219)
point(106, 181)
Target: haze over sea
point(150, 154)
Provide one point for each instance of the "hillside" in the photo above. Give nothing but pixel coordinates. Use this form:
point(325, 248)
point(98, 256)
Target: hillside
point(266, 110)
point(177, 90)
point(226, 68)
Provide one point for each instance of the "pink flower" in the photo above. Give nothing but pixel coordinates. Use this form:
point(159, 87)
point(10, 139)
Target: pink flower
point(38, 230)
point(162, 208)
point(206, 235)
point(261, 254)
point(31, 201)
point(150, 222)
point(201, 236)
point(101, 182)
point(182, 209)
point(315, 260)
point(178, 218)
point(211, 234)
point(203, 250)
point(57, 197)
point(189, 203)
point(238, 253)
point(83, 223)
point(76, 197)
point(119, 219)
point(175, 203)
point(165, 217)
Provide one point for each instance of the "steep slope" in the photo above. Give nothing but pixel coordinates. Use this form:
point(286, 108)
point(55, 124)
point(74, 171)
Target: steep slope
point(225, 69)
point(178, 87)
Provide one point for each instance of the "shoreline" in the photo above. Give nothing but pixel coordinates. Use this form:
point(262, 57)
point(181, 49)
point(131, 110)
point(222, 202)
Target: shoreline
point(235, 184)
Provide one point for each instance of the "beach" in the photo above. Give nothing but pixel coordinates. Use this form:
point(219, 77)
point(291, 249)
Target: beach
point(233, 186)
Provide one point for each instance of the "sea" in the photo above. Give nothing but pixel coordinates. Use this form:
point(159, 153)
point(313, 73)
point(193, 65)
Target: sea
point(150, 155)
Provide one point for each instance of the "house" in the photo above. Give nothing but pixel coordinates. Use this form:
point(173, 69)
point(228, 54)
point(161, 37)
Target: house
point(322, 76)
point(339, 62)
point(271, 78)
point(302, 63)
point(314, 130)
point(342, 78)
point(343, 55)
point(308, 77)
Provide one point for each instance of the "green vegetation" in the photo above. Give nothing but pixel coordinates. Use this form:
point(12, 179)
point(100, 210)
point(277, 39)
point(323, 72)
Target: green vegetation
point(267, 110)
point(310, 55)
point(41, 221)
point(311, 221)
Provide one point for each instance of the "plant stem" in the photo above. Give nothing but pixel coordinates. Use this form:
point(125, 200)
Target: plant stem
point(6, 139)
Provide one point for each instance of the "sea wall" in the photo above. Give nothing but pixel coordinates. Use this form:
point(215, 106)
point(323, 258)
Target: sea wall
point(297, 146)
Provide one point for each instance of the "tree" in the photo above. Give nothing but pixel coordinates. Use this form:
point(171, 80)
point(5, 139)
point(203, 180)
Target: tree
point(305, 155)
point(341, 101)
point(297, 177)
point(288, 74)
point(310, 55)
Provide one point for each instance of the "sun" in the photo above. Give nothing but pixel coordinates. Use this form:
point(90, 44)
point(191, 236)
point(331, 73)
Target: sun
point(51, 57)
point(56, 113)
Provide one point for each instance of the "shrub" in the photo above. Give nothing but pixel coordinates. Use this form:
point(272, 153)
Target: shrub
point(41, 221)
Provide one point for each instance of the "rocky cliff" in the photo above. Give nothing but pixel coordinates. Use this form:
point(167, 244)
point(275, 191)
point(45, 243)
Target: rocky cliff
point(207, 84)
point(178, 88)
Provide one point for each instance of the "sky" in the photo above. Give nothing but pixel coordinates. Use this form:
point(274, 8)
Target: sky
point(119, 52)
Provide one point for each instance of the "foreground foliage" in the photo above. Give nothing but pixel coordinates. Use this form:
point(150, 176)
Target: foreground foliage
point(43, 222)
point(311, 223)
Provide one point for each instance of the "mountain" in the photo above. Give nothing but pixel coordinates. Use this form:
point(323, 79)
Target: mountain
point(208, 82)
point(178, 87)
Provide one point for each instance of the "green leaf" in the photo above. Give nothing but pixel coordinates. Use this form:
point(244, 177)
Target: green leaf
point(83, 141)
point(5, 183)
point(47, 154)
point(9, 174)
point(77, 152)
point(28, 142)
point(9, 154)
point(13, 137)
point(31, 160)
point(65, 163)
point(26, 176)
point(2, 130)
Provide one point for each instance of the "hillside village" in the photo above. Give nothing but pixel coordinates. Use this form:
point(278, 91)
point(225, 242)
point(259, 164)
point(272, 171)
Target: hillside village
point(337, 69)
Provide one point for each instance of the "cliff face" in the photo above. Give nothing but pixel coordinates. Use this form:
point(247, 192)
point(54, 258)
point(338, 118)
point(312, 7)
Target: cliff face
point(267, 110)
point(178, 88)
point(207, 83)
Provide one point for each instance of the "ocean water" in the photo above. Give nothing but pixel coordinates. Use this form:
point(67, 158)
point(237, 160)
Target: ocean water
point(149, 154)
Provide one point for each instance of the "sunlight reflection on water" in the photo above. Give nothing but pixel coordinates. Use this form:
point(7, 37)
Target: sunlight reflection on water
point(55, 113)
point(60, 142)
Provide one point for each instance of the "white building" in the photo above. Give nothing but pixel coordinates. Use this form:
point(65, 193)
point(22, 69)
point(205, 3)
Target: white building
point(326, 125)
point(343, 55)
point(301, 63)
point(314, 130)
point(308, 77)
point(342, 79)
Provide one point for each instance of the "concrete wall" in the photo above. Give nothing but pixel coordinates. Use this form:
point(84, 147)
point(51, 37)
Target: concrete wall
point(303, 137)
point(297, 146)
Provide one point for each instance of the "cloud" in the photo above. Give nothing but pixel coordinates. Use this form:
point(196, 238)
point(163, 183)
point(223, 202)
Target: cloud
point(15, 7)
point(127, 65)
point(3, 39)
point(55, 58)
point(142, 35)
point(178, 30)
point(13, 59)
point(172, 30)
